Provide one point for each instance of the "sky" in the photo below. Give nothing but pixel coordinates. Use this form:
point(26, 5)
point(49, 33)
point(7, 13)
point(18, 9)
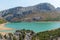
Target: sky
point(6, 4)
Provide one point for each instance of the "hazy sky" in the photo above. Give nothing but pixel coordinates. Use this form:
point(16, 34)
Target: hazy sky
point(6, 4)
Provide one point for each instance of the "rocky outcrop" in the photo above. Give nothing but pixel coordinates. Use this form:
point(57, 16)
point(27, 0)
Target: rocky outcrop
point(18, 35)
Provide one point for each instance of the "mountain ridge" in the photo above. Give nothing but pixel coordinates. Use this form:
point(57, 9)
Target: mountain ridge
point(21, 13)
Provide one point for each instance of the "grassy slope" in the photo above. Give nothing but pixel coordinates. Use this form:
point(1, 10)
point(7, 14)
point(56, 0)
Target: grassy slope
point(46, 16)
point(47, 35)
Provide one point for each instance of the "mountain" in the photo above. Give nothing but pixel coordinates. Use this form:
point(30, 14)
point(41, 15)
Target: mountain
point(58, 9)
point(37, 12)
point(45, 6)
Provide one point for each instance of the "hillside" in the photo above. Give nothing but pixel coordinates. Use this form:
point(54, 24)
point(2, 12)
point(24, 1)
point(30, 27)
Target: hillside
point(39, 12)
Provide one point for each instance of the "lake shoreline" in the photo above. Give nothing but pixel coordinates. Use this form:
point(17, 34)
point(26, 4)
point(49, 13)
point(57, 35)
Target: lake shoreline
point(2, 27)
point(34, 21)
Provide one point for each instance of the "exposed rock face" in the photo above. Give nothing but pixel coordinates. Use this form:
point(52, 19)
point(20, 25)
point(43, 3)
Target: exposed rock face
point(45, 6)
point(18, 35)
point(17, 12)
point(20, 13)
point(58, 8)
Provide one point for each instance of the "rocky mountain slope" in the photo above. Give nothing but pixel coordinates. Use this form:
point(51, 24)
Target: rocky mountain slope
point(40, 12)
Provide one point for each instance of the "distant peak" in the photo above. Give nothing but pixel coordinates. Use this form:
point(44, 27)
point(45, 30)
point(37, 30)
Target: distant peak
point(45, 6)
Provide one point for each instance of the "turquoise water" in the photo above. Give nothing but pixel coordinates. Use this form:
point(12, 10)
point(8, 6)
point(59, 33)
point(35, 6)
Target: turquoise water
point(35, 26)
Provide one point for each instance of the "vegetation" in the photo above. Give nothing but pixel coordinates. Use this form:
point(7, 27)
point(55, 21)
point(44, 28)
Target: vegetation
point(53, 19)
point(2, 21)
point(47, 35)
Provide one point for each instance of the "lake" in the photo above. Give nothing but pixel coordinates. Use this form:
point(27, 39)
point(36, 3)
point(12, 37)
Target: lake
point(35, 26)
